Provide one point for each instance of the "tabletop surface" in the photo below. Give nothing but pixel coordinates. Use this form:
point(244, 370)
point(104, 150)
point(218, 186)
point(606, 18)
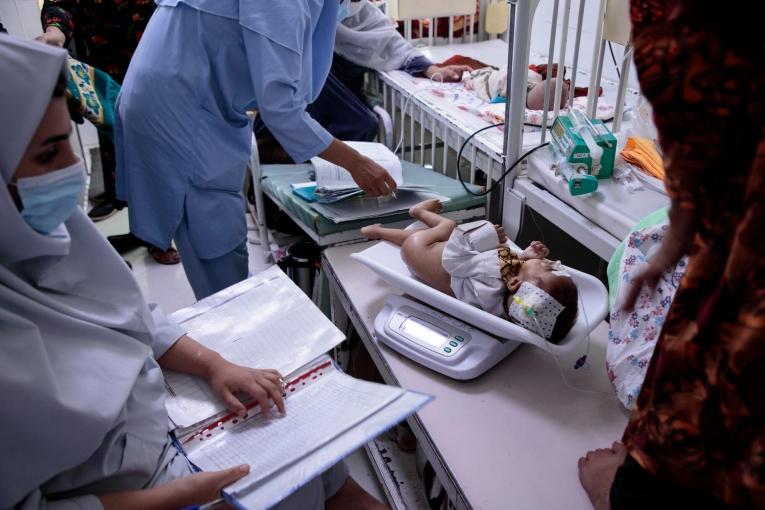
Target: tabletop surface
point(512, 437)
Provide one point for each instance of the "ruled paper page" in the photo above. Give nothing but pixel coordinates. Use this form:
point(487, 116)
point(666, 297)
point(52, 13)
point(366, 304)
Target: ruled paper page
point(271, 324)
point(315, 416)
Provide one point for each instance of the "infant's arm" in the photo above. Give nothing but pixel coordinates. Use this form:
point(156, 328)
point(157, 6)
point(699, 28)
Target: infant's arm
point(536, 250)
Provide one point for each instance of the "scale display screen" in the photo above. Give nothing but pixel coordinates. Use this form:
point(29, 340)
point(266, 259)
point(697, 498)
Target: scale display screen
point(422, 330)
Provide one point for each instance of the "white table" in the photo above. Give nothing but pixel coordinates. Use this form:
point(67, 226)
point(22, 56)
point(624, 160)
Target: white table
point(512, 437)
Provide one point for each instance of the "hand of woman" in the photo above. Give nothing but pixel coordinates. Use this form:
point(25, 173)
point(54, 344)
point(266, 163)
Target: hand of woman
point(53, 36)
point(451, 73)
point(227, 379)
point(676, 243)
point(191, 490)
point(204, 487)
point(371, 177)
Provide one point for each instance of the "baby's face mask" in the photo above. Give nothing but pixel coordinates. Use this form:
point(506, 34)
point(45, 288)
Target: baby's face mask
point(534, 309)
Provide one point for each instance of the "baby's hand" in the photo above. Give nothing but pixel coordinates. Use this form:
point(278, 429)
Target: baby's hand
point(501, 234)
point(536, 250)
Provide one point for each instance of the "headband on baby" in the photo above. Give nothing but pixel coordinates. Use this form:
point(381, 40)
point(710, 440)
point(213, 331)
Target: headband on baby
point(534, 309)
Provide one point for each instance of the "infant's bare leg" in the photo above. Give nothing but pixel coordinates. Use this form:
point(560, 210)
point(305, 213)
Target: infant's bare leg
point(394, 235)
point(423, 250)
point(428, 212)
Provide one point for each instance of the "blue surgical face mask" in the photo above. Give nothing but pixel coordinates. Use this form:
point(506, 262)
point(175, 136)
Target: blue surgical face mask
point(49, 200)
point(342, 11)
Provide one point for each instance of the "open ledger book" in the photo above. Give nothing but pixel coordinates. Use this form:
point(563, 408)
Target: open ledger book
point(267, 322)
point(334, 183)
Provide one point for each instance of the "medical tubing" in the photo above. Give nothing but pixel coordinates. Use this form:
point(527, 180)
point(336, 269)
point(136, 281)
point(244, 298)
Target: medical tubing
point(502, 177)
point(414, 94)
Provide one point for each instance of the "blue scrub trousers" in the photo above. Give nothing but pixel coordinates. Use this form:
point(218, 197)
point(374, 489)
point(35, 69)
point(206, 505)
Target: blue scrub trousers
point(208, 276)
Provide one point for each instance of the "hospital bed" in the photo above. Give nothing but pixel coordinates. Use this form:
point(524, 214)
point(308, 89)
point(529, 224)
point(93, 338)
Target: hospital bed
point(435, 122)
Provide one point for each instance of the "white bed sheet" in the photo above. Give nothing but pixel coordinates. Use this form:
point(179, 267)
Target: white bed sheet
point(384, 258)
point(612, 207)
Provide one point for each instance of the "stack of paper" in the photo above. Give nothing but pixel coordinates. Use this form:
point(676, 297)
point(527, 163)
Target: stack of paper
point(334, 183)
point(266, 321)
point(362, 207)
point(330, 195)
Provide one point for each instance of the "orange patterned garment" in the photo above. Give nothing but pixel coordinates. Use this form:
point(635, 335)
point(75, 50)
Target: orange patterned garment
point(700, 418)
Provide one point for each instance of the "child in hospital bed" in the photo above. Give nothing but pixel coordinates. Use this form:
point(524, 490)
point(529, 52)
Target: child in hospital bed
point(489, 83)
point(473, 263)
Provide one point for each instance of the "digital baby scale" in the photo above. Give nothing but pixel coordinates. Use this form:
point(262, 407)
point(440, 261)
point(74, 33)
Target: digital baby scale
point(438, 341)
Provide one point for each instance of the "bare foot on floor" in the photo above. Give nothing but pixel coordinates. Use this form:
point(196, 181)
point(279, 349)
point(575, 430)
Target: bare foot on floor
point(372, 232)
point(597, 470)
point(432, 205)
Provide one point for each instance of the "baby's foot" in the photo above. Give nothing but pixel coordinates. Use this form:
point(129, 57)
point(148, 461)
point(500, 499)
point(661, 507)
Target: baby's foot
point(536, 250)
point(501, 234)
point(372, 232)
point(433, 205)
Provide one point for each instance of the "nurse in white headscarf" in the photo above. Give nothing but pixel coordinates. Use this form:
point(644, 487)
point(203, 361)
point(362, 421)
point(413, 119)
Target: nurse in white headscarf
point(84, 423)
point(183, 136)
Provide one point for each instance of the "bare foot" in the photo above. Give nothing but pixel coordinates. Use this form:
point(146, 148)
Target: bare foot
point(432, 205)
point(597, 470)
point(352, 496)
point(372, 232)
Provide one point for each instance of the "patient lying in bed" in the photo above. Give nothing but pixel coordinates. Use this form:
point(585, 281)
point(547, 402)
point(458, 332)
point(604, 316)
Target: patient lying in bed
point(473, 263)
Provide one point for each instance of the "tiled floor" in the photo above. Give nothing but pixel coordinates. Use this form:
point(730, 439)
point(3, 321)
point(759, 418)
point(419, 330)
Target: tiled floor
point(168, 286)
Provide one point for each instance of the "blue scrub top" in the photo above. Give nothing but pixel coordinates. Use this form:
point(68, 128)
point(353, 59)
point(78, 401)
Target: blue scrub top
point(183, 138)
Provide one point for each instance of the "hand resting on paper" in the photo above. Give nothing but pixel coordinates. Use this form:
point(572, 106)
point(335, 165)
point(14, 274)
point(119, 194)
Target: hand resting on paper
point(226, 378)
point(371, 177)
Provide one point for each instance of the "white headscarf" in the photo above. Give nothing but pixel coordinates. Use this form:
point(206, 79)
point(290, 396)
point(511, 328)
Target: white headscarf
point(75, 330)
point(367, 37)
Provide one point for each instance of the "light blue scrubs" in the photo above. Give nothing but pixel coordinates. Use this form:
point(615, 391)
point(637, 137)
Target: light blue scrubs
point(182, 136)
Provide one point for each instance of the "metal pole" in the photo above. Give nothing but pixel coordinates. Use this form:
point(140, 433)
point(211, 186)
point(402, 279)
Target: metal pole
point(597, 59)
point(548, 82)
point(579, 22)
point(517, 86)
point(510, 51)
point(619, 112)
point(561, 58)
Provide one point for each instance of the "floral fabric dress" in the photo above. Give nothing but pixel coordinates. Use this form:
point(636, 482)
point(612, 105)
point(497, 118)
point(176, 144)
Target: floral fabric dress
point(632, 335)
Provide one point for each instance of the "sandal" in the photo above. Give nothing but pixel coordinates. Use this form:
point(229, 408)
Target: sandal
point(167, 257)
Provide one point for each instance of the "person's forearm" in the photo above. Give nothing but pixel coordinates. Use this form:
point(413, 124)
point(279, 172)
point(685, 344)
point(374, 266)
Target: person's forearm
point(341, 154)
point(678, 241)
point(148, 499)
point(190, 357)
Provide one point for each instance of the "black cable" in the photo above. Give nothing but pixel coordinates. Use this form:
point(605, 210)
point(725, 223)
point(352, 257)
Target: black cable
point(613, 57)
point(502, 177)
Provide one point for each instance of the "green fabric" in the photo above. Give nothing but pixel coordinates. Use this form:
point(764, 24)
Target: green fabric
point(277, 180)
point(92, 94)
point(655, 218)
